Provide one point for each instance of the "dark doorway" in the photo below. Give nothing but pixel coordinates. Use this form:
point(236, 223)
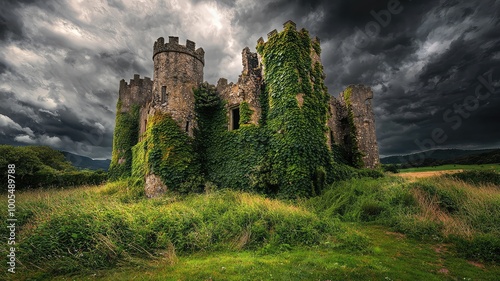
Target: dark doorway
point(235, 118)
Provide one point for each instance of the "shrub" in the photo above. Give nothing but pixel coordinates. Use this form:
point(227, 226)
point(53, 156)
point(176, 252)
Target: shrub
point(392, 168)
point(370, 210)
point(450, 199)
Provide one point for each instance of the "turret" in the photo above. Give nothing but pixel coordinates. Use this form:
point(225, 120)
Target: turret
point(177, 70)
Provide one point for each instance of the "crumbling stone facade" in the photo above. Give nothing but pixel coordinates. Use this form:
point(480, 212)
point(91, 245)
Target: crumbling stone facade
point(247, 89)
point(356, 98)
point(178, 70)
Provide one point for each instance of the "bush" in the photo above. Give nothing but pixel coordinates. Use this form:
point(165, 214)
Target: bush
point(41, 166)
point(370, 210)
point(362, 199)
point(392, 168)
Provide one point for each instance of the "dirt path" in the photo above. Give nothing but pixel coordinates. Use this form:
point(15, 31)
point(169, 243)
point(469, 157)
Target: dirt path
point(419, 175)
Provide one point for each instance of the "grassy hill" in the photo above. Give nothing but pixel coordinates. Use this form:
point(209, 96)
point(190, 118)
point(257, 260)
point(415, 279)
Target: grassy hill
point(362, 229)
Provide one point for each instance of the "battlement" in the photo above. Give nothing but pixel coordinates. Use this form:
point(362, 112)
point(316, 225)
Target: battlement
point(137, 91)
point(173, 46)
point(287, 25)
point(136, 81)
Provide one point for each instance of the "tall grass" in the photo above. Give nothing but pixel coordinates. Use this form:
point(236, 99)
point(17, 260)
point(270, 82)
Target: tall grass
point(63, 231)
point(439, 208)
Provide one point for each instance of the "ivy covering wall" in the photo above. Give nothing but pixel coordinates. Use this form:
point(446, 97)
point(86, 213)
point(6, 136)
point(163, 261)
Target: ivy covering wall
point(167, 151)
point(125, 137)
point(287, 154)
point(228, 158)
point(298, 153)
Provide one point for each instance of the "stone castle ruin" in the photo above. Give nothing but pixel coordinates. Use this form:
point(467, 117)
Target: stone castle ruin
point(142, 148)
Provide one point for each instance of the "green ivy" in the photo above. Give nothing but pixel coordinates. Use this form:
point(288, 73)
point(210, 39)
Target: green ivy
point(286, 155)
point(298, 154)
point(353, 154)
point(316, 47)
point(125, 137)
point(228, 158)
point(169, 154)
point(245, 113)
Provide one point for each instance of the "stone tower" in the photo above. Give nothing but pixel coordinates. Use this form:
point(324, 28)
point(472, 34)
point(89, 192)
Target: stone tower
point(178, 70)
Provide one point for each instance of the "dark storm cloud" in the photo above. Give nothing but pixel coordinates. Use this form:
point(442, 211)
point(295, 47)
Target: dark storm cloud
point(60, 63)
point(11, 26)
point(420, 62)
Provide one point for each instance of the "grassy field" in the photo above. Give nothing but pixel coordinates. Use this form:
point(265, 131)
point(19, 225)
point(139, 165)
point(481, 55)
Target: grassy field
point(390, 256)
point(494, 167)
point(437, 228)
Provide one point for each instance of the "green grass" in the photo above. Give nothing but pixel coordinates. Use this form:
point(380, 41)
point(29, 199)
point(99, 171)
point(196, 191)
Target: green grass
point(391, 257)
point(361, 229)
point(494, 167)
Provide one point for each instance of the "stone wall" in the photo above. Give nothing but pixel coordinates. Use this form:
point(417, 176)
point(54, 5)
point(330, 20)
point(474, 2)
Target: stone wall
point(337, 130)
point(247, 89)
point(359, 100)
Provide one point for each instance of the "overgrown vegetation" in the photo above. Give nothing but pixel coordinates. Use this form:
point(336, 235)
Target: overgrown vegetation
point(170, 154)
point(125, 137)
point(91, 228)
point(43, 166)
point(80, 230)
point(286, 155)
point(440, 209)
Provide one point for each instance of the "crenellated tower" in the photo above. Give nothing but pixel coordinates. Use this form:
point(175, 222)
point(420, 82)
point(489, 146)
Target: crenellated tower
point(177, 70)
point(137, 91)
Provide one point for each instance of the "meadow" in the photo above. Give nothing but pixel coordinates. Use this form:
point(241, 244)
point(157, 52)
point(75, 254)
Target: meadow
point(438, 228)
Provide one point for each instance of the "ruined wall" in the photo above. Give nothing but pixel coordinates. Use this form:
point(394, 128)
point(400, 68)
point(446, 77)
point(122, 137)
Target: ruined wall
point(358, 99)
point(177, 70)
point(336, 130)
point(247, 89)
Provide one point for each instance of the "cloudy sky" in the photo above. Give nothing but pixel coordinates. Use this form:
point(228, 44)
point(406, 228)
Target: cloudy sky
point(433, 65)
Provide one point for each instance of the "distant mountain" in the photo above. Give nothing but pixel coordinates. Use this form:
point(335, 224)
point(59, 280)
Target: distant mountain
point(83, 162)
point(445, 156)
